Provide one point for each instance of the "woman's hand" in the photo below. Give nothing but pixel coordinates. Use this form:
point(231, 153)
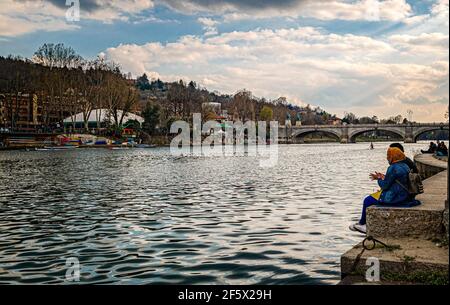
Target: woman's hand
point(380, 175)
point(376, 176)
point(373, 176)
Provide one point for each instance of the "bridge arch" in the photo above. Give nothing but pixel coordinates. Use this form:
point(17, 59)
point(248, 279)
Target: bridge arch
point(418, 132)
point(298, 134)
point(353, 134)
point(348, 133)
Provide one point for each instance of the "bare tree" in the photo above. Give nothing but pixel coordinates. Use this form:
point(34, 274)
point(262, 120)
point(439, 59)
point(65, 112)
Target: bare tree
point(120, 97)
point(57, 56)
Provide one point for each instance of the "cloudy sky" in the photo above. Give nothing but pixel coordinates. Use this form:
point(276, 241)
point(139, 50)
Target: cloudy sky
point(370, 57)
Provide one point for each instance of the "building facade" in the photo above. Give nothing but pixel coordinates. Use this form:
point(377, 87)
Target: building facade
point(26, 112)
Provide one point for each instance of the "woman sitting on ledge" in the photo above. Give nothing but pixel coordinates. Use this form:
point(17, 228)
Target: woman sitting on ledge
point(393, 187)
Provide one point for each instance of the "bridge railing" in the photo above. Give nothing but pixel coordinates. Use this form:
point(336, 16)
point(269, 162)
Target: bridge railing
point(434, 124)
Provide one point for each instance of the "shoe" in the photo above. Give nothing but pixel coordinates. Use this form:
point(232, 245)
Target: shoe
point(358, 228)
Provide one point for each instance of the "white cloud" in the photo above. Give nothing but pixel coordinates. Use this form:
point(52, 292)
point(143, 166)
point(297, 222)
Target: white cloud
point(49, 15)
point(371, 10)
point(435, 20)
point(109, 11)
point(153, 19)
point(425, 43)
point(340, 72)
point(209, 25)
point(39, 15)
point(21, 17)
point(407, 68)
point(417, 19)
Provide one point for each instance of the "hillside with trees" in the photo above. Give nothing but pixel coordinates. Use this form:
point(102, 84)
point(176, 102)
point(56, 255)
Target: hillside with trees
point(178, 100)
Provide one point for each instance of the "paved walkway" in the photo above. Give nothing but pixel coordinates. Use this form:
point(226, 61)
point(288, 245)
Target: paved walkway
point(435, 192)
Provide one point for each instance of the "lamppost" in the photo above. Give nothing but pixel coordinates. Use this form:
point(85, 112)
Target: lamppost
point(409, 112)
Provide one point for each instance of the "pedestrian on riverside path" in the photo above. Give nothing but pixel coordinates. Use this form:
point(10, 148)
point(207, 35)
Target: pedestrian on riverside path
point(392, 184)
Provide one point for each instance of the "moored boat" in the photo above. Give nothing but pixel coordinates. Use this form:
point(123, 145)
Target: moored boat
point(46, 148)
point(119, 148)
point(145, 146)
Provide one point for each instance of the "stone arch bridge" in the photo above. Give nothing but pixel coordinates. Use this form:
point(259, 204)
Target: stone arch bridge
point(348, 133)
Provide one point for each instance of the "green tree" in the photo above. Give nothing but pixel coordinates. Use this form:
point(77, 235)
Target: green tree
point(398, 119)
point(266, 114)
point(151, 116)
point(143, 83)
point(350, 118)
point(367, 120)
point(133, 124)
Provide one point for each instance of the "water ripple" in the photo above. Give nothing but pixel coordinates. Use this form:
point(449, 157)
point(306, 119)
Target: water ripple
point(143, 216)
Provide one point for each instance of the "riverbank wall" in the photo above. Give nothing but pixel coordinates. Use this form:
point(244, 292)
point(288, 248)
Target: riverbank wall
point(416, 239)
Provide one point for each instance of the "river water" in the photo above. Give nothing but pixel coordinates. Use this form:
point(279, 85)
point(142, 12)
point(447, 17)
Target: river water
point(144, 216)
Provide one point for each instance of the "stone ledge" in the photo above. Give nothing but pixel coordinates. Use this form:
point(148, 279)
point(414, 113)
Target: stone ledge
point(407, 260)
point(428, 165)
point(441, 158)
point(431, 160)
point(405, 223)
point(425, 220)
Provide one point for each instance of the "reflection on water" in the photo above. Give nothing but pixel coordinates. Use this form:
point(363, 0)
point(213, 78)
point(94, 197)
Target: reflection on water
point(142, 216)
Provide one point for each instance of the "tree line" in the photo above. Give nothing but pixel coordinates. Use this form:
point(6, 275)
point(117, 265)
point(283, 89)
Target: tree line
point(65, 84)
point(351, 118)
point(169, 101)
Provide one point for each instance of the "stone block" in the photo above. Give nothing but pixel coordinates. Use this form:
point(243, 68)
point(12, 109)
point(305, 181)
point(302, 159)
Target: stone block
point(425, 221)
point(406, 260)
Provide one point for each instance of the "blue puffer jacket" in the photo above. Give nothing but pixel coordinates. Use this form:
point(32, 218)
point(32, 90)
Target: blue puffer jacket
point(394, 193)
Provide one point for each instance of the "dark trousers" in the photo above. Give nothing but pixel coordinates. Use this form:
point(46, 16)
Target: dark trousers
point(368, 201)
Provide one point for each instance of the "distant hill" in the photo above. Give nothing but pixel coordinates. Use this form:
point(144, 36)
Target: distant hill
point(183, 99)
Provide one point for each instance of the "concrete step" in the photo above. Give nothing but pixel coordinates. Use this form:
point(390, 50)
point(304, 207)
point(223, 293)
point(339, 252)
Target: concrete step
point(424, 221)
point(407, 260)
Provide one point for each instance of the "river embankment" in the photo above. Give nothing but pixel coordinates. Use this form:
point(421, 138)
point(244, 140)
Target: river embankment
point(416, 239)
